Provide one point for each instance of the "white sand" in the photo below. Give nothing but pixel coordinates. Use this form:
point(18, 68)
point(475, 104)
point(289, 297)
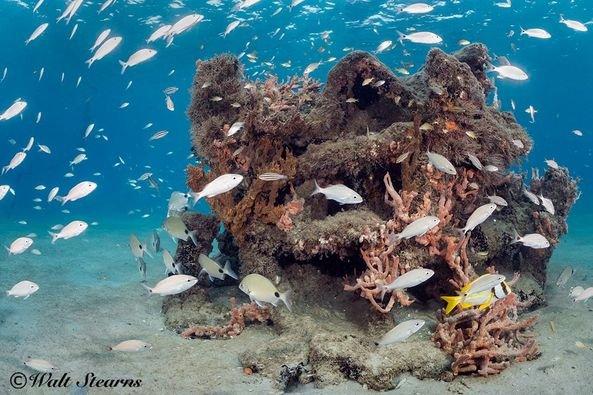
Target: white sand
point(90, 298)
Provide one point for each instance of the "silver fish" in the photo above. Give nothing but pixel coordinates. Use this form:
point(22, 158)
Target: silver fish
point(475, 161)
point(407, 280)
point(339, 193)
point(155, 241)
point(261, 290)
point(272, 177)
point(533, 240)
point(416, 228)
point(401, 332)
point(441, 163)
point(564, 276)
point(498, 200)
point(480, 215)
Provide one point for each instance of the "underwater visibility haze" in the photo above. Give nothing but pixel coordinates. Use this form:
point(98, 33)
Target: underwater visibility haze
point(314, 196)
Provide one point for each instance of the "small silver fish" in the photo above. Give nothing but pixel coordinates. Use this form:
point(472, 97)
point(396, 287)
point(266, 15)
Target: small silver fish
point(131, 346)
point(475, 161)
point(261, 290)
point(416, 228)
point(214, 270)
point(498, 200)
point(532, 240)
point(564, 276)
point(480, 215)
point(402, 157)
point(339, 193)
point(155, 241)
point(407, 280)
point(272, 177)
point(401, 332)
point(441, 163)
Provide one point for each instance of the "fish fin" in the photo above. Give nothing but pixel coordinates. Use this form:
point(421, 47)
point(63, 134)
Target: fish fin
point(260, 304)
point(54, 237)
point(147, 288)
point(193, 238)
point(229, 271)
point(25, 298)
point(452, 302)
point(178, 266)
point(211, 278)
point(317, 189)
point(286, 297)
point(383, 289)
point(124, 66)
point(147, 252)
point(486, 304)
point(516, 237)
point(196, 196)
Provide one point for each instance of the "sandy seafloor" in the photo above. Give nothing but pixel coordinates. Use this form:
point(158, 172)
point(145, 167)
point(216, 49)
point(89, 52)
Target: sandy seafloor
point(90, 298)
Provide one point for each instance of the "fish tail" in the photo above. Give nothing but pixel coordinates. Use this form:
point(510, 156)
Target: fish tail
point(317, 189)
point(124, 66)
point(229, 271)
point(196, 197)
point(383, 289)
point(90, 62)
point(54, 237)
point(286, 297)
point(193, 236)
point(516, 237)
point(401, 37)
point(452, 302)
point(522, 30)
point(147, 288)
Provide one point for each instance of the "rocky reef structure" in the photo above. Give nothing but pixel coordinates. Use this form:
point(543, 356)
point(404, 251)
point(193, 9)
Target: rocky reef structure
point(370, 130)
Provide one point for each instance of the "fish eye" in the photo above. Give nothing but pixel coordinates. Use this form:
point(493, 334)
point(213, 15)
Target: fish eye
point(276, 294)
point(140, 246)
point(220, 271)
point(186, 231)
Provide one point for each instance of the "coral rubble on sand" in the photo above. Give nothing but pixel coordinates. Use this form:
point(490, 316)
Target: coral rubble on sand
point(485, 342)
point(374, 138)
point(240, 317)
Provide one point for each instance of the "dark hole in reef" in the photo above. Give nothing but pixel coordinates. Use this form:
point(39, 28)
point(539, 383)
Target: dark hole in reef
point(422, 292)
point(283, 196)
point(366, 95)
point(331, 265)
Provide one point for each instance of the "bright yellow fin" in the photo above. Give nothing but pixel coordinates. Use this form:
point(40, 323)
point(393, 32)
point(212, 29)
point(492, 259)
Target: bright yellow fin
point(452, 301)
point(487, 303)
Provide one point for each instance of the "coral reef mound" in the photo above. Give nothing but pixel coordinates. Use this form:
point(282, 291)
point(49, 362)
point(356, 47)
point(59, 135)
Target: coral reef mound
point(371, 131)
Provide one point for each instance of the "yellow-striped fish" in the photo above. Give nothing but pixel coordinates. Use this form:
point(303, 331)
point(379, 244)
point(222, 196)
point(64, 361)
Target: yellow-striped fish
point(482, 299)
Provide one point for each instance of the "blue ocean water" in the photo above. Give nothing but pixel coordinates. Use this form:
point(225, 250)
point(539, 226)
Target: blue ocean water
point(557, 88)
point(283, 44)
